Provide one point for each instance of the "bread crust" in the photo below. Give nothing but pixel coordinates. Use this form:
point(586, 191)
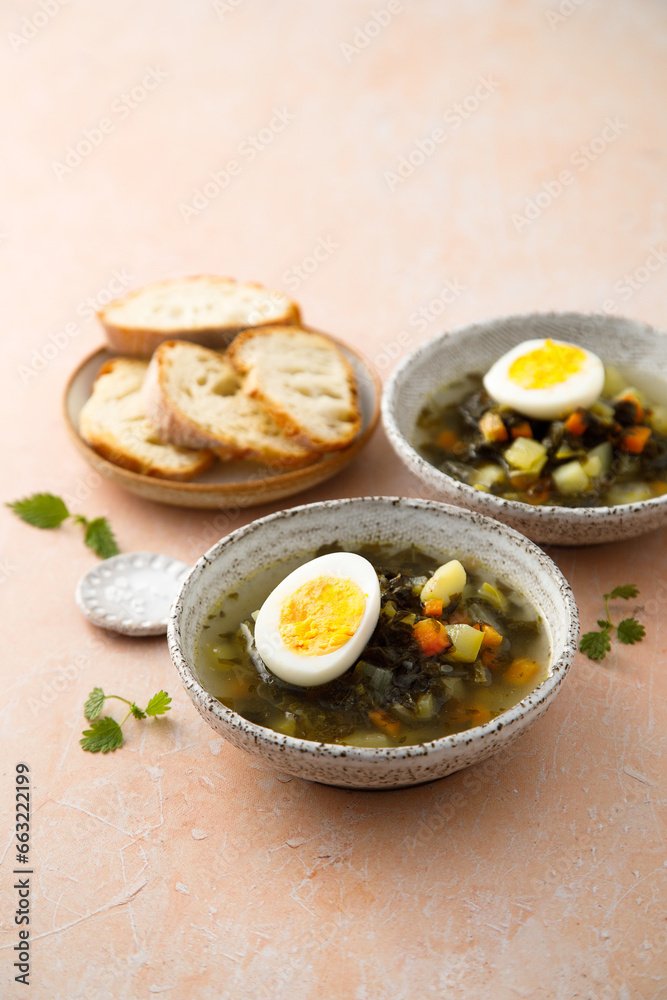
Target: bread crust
point(141, 340)
point(109, 451)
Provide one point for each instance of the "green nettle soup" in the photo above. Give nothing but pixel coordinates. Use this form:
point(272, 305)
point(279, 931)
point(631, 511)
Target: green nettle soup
point(436, 663)
point(613, 451)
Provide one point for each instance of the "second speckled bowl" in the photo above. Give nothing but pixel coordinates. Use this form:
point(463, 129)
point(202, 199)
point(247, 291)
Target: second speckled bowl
point(624, 343)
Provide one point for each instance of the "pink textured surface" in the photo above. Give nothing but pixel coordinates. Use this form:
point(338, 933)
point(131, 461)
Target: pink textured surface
point(176, 866)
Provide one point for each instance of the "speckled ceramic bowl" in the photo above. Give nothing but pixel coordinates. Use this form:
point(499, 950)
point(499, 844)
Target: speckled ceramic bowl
point(436, 528)
point(620, 342)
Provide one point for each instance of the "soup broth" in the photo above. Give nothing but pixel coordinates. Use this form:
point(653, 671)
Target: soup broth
point(400, 691)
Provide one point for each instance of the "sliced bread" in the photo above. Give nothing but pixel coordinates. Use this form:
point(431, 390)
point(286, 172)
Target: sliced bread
point(194, 397)
point(304, 380)
point(113, 422)
point(205, 308)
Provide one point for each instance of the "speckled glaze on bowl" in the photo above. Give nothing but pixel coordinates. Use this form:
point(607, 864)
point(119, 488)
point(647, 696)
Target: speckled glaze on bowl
point(436, 528)
point(620, 342)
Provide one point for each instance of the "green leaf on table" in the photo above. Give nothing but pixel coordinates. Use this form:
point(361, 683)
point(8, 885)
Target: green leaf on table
point(93, 707)
point(106, 734)
point(100, 538)
point(103, 735)
point(630, 631)
point(596, 645)
point(42, 510)
point(159, 704)
point(626, 591)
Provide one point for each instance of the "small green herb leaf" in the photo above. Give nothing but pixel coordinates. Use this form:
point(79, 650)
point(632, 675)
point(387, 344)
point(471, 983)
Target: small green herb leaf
point(103, 735)
point(159, 704)
point(106, 734)
point(596, 645)
point(93, 707)
point(630, 631)
point(42, 510)
point(626, 591)
point(100, 538)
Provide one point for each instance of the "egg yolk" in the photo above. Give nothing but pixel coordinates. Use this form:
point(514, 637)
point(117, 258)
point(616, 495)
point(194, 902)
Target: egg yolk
point(321, 616)
point(547, 365)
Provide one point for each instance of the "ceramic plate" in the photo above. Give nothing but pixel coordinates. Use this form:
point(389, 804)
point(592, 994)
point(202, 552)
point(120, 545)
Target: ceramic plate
point(228, 484)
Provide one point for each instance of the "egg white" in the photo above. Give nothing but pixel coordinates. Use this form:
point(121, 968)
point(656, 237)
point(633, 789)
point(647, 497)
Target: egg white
point(304, 670)
point(550, 402)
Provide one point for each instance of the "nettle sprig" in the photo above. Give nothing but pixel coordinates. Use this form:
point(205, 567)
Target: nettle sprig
point(596, 645)
point(106, 734)
point(44, 510)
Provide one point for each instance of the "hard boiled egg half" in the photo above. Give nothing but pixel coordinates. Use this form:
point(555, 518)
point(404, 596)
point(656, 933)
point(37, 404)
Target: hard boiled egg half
point(545, 379)
point(316, 622)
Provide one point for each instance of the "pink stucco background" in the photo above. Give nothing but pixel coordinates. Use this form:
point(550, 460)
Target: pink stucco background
point(177, 866)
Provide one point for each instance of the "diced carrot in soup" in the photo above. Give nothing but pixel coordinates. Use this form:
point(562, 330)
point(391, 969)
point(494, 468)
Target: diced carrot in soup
point(492, 638)
point(521, 671)
point(384, 722)
point(577, 423)
point(634, 439)
point(447, 439)
point(432, 637)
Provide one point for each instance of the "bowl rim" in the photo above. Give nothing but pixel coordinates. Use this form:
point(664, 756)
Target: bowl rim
point(328, 463)
point(511, 716)
point(492, 504)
